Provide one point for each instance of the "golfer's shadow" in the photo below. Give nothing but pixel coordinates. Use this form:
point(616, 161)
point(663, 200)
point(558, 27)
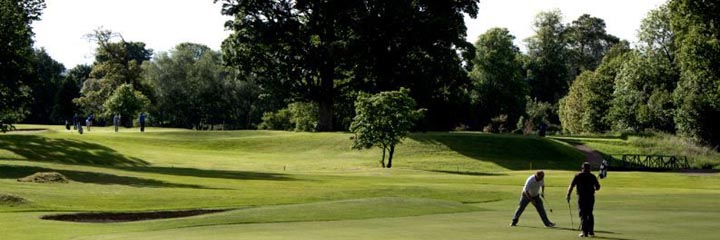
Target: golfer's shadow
point(576, 230)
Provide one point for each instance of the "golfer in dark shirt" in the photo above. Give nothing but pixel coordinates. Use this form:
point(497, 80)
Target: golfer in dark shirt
point(586, 184)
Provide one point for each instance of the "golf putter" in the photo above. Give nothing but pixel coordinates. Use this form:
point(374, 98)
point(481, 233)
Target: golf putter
point(548, 203)
point(572, 224)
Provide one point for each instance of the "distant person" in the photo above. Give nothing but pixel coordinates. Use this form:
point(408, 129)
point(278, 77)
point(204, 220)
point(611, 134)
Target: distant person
point(79, 128)
point(531, 194)
point(89, 121)
point(75, 120)
point(586, 184)
point(67, 125)
point(141, 120)
point(116, 121)
point(543, 129)
point(603, 169)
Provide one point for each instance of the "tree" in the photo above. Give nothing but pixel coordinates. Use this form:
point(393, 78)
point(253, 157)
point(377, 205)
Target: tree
point(696, 26)
point(419, 45)
point(193, 88)
point(307, 50)
point(127, 102)
point(383, 120)
point(586, 108)
point(587, 42)
point(547, 70)
point(48, 78)
point(646, 80)
point(573, 107)
point(16, 57)
point(296, 49)
point(656, 35)
point(498, 83)
point(64, 108)
point(116, 63)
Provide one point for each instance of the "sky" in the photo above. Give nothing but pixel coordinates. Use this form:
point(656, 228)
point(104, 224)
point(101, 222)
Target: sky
point(162, 24)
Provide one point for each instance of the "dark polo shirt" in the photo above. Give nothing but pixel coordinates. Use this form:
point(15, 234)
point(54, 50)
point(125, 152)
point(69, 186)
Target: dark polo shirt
point(586, 184)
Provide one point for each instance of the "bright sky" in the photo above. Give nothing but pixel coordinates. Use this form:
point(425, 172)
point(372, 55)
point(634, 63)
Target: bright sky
point(162, 24)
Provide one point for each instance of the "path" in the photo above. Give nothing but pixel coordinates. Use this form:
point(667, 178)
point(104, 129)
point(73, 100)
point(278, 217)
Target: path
point(591, 156)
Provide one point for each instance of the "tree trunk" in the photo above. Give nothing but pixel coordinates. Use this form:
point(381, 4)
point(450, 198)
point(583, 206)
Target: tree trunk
point(382, 161)
point(392, 151)
point(325, 114)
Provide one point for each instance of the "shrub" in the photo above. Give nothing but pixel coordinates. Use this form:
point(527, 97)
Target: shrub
point(279, 120)
point(298, 116)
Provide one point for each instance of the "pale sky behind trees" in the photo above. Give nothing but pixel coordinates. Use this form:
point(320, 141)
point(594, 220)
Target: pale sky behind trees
point(162, 24)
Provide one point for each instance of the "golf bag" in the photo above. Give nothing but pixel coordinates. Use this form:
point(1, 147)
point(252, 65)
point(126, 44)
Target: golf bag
point(603, 169)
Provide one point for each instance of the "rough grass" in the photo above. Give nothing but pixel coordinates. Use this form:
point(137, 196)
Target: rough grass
point(650, 143)
point(45, 177)
point(11, 200)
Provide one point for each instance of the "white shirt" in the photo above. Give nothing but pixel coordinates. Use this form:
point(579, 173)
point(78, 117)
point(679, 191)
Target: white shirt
point(532, 186)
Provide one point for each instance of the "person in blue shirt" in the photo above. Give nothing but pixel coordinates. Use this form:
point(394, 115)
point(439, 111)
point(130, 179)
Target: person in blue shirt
point(141, 120)
point(116, 121)
point(89, 121)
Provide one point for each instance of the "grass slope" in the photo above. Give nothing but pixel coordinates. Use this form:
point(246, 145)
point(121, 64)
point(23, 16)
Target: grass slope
point(650, 144)
point(288, 185)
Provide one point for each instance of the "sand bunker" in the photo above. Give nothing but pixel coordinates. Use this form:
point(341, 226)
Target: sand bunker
point(128, 217)
point(45, 177)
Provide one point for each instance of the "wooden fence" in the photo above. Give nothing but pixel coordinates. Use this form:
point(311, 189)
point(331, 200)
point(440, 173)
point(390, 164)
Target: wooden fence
point(637, 161)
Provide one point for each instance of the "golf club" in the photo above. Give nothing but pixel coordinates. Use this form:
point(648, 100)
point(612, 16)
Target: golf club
point(548, 203)
point(572, 224)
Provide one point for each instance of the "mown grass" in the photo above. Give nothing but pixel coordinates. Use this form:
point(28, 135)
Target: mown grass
point(287, 185)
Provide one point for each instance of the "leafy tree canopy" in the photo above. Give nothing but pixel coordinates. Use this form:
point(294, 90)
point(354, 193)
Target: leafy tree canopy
point(16, 58)
point(383, 120)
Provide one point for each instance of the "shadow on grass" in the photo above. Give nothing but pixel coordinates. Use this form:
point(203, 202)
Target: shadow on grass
point(578, 231)
point(204, 173)
point(513, 152)
point(468, 173)
point(37, 148)
point(75, 152)
point(14, 172)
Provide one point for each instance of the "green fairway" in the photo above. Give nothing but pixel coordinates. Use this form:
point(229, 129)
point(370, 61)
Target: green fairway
point(287, 185)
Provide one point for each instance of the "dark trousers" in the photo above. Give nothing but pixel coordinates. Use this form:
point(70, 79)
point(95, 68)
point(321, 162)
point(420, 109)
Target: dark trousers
point(524, 201)
point(142, 126)
point(587, 220)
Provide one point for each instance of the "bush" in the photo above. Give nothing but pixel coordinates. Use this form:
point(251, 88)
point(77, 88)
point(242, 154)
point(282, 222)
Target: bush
point(303, 116)
point(298, 116)
point(497, 124)
point(279, 120)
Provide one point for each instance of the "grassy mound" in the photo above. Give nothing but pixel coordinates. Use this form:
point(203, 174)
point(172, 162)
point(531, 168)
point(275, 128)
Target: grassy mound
point(367, 208)
point(45, 177)
point(11, 200)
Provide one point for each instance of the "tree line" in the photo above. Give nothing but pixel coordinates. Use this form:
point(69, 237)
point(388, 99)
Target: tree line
point(301, 65)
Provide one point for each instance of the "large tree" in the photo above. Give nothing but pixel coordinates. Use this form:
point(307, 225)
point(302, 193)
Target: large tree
point(69, 89)
point(193, 88)
point(645, 82)
point(116, 63)
point(547, 63)
point(499, 86)
point(696, 25)
point(587, 106)
point(420, 45)
point(587, 43)
point(308, 50)
point(16, 57)
point(48, 78)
